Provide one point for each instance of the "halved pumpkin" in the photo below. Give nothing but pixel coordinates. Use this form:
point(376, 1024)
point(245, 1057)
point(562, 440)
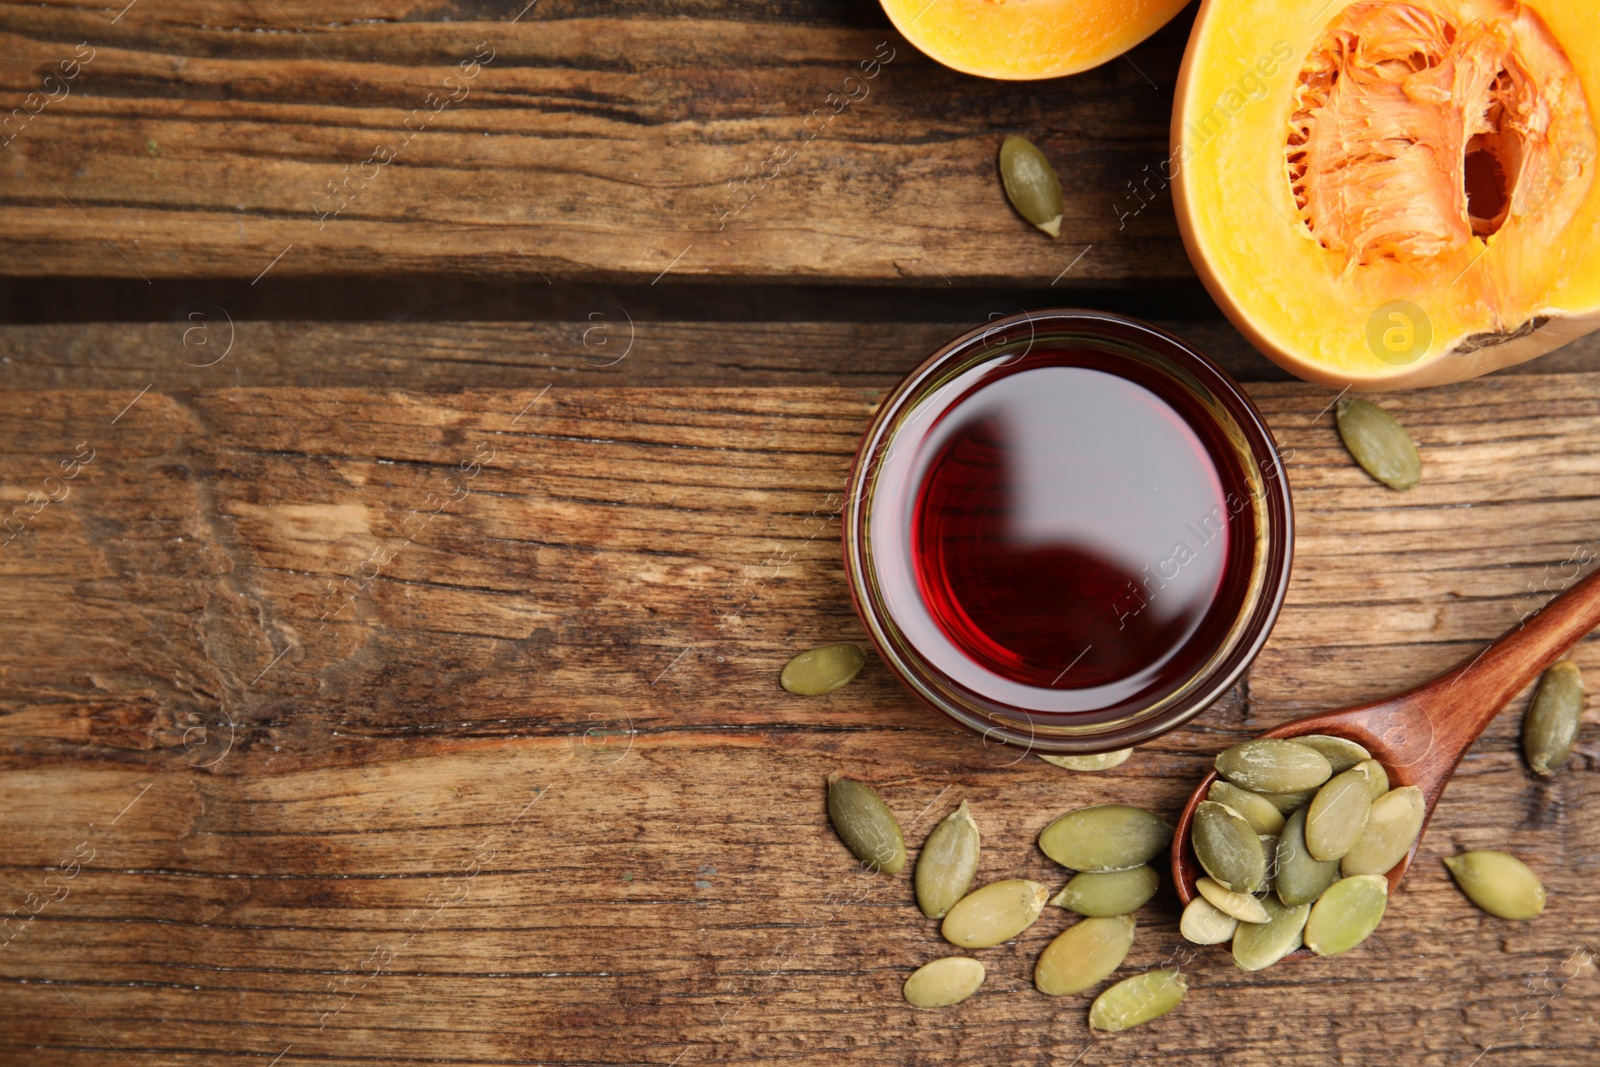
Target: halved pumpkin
point(1393, 193)
point(1021, 39)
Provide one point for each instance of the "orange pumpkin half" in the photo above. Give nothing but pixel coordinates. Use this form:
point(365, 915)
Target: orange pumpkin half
point(1022, 39)
point(1393, 193)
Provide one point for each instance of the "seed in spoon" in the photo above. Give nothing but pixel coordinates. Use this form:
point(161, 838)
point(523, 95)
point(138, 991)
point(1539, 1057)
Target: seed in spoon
point(1289, 803)
point(1392, 829)
point(1338, 814)
point(1346, 914)
point(822, 670)
point(1083, 955)
point(1228, 847)
point(994, 914)
point(1257, 946)
point(1301, 878)
point(943, 982)
point(865, 824)
point(1204, 924)
point(1242, 906)
point(1107, 837)
point(1031, 184)
point(1273, 765)
point(1100, 761)
point(1341, 754)
point(1378, 780)
point(1137, 1000)
point(1379, 443)
point(948, 863)
point(1499, 884)
point(1550, 727)
point(1262, 814)
point(1106, 893)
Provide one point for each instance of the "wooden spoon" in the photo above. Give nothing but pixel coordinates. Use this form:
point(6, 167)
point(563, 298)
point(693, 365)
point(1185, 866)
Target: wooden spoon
point(1421, 735)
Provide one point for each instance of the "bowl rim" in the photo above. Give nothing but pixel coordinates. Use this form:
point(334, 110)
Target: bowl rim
point(1273, 506)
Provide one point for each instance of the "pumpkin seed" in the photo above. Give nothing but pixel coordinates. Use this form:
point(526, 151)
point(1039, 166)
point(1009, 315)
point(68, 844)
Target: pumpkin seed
point(1273, 765)
point(865, 824)
point(1031, 184)
point(1289, 803)
point(1378, 780)
point(1349, 911)
point(1379, 443)
point(1204, 924)
point(1341, 754)
point(997, 912)
point(1257, 946)
point(1083, 955)
point(1108, 893)
point(1261, 813)
point(1269, 847)
point(943, 982)
point(822, 670)
point(1550, 727)
point(1137, 1000)
point(1100, 761)
point(1242, 906)
point(1301, 878)
point(1108, 837)
point(1392, 829)
point(948, 863)
point(1338, 814)
point(1228, 847)
point(1499, 884)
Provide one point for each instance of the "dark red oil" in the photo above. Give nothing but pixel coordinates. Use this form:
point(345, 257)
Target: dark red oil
point(1072, 523)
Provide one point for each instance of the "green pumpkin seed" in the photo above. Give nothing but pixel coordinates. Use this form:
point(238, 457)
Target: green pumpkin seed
point(1349, 911)
point(1107, 893)
point(1301, 878)
point(1273, 765)
point(1289, 803)
point(822, 670)
point(1341, 754)
point(1100, 761)
point(1261, 813)
point(1108, 837)
point(865, 824)
point(1084, 955)
point(948, 863)
point(1338, 814)
point(1499, 884)
point(1204, 924)
point(1137, 1000)
point(1257, 946)
point(1269, 847)
point(1392, 829)
point(1242, 906)
point(996, 913)
point(1379, 443)
point(943, 982)
point(1550, 727)
point(1031, 184)
point(1228, 847)
point(1378, 778)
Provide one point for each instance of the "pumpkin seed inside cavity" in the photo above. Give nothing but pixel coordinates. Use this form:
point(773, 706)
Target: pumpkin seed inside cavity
point(1262, 814)
point(948, 863)
point(822, 670)
point(1100, 761)
point(1242, 906)
point(1341, 754)
point(1550, 727)
point(1107, 837)
point(865, 824)
point(1257, 946)
point(1501, 885)
point(1338, 814)
point(1083, 955)
point(1031, 184)
point(943, 982)
point(994, 914)
point(1346, 914)
point(1273, 765)
point(1301, 878)
point(1137, 1000)
point(1392, 829)
point(1204, 924)
point(1228, 847)
point(1104, 894)
point(1379, 443)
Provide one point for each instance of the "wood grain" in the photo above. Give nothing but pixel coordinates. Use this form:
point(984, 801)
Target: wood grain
point(353, 774)
point(713, 139)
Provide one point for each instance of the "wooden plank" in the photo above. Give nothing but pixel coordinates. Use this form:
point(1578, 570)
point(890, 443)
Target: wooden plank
point(357, 775)
point(712, 140)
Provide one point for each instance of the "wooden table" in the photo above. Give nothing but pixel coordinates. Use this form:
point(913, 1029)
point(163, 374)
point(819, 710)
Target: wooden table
point(398, 575)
